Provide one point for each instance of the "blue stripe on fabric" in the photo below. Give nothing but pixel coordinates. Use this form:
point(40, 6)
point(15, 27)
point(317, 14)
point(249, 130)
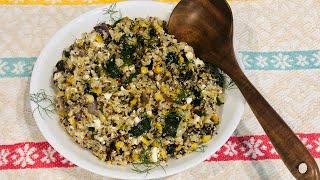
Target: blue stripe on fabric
point(285, 60)
point(16, 66)
point(281, 60)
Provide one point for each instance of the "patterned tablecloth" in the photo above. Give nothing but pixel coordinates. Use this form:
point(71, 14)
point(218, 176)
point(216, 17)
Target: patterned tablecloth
point(278, 42)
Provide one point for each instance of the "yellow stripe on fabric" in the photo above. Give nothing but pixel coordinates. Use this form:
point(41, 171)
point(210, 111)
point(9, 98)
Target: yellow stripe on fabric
point(55, 2)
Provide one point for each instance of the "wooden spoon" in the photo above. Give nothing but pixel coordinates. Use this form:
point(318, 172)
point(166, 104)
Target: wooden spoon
point(207, 25)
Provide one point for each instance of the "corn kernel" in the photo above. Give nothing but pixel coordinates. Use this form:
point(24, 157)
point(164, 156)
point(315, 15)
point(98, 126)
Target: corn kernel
point(155, 144)
point(102, 117)
point(133, 102)
point(97, 90)
point(179, 148)
point(189, 106)
point(135, 157)
point(215, 118)
point(145, 141)
point(99, 38)
point(158, 96)
point(72, 121)
point(158, 69)
point(206, 138)
point(164, 89)
point(70, 79)
point(59, 94)
point(194, 146)
point(69, 92)
point(144, 70)
point(168, 74)
point(158, 126)
point(80, 42)
point(119, 145)
point(89, 98)
point(163, 154)
point(181, 59)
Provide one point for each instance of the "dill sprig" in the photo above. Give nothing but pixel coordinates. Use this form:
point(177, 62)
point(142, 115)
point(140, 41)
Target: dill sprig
point(230, 84)
point(201, 148)
point(44, 103)
point(145, 165)
point(113, 13)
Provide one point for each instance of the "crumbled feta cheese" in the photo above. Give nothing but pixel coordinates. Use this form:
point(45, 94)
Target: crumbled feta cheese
point(101, 139)
point(137, 120)
point(149, 113)
point(119, 62)
point(196, 119)
point(190, 55)
point(122, 88)
point(198, 62)
point(187, 48)
point(57, 76)
point(98, 44)
point(189, 100)
point(86, 77)
point(154, 154)
point(107, 95)
point(97, 123)
point(134, 141)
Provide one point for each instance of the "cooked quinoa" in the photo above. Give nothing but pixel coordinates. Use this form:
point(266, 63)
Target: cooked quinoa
point(130, 88)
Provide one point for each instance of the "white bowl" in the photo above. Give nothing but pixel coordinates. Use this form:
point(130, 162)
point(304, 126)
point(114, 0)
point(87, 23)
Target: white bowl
point(60, 140)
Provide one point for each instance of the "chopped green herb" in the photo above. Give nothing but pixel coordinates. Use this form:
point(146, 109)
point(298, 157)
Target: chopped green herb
point(197, 100)
point(60, 65)
point(152, 32)
point(129, 79)
point(182, 96)
point(218, 74)
point(171, 58)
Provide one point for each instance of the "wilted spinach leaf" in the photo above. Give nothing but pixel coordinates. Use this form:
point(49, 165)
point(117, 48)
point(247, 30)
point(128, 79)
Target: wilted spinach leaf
point(171, 121)
point(143, 126)
point(112, 69)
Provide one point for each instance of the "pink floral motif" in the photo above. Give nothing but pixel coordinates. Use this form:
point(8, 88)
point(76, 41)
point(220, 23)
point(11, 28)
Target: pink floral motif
point(3, 156)
point(317, 142)
point(48, 155)
point(26, 156)
point(305, 141)
point(254, 148)
point(230, 149)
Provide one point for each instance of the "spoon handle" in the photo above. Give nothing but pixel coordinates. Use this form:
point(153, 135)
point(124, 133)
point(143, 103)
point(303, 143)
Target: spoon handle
point(291, 150)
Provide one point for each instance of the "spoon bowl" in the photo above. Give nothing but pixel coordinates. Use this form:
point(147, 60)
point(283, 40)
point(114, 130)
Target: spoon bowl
point(207, 25)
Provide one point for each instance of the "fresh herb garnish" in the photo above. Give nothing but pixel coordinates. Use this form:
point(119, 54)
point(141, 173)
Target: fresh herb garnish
point(201, 148)
point(113, 13)
point(44, 103)
point(145, 165)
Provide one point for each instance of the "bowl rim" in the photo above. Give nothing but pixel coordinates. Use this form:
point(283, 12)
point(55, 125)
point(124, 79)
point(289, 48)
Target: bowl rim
point(74, 157)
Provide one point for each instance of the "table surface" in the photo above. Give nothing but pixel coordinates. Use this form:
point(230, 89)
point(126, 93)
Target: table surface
point(278, 42)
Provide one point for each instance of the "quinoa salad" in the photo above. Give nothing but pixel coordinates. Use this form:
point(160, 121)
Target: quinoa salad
point(130, 92)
